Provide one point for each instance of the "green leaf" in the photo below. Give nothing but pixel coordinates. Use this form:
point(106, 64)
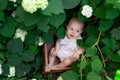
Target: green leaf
point(27, 18)
point(55, 7)
point(15, 45)
point(3, 4)
point(5, 69)
point(92, 30)
point(30, 38)
point(99, 12)
point(117, 4)
point(111, 13)
point(33, 48)
point(114, 57)
point(93, 76)
point(8, 28)
point(81, 43)
point(118, 52)
point(2, 46)
point(96, 65)
point(22, 69)
point(84, 2)
point(42, 24)
point(14, 60)
point(69, 75)
point(1, 16)
point(28, 56)
point(47, 37)
point(44, 28)
point(30, 19)
point(70, 4)
point(2, 57)
point(105, 24)
point(90, 52)
point(38, 63)
point(115, 33)
point(95, 2)
point(61, 32)
point(90, 40)
point(110, 1)
point(106, 50)
point(81, 17)
point(82, 64)
point(19, 14)
point(111, 43)
point(57, 20)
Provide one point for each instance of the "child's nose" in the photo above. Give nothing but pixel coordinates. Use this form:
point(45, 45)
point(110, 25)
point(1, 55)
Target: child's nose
point(73, 32)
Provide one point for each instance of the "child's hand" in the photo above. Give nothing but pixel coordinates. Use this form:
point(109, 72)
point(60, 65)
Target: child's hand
point(53, 52)
point(76, 56)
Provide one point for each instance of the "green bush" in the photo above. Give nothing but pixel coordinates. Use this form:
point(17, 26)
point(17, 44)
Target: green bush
point(21, 31)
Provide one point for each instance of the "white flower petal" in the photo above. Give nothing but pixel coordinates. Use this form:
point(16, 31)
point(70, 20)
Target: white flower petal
point(0, 69)
point(40, 41)
point(11, 72)
point(20, 34)
point(32, 5)
point(59, 78)
point(87, 11)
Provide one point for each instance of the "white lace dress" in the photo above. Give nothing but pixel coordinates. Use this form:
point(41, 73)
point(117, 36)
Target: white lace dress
point(67, 47)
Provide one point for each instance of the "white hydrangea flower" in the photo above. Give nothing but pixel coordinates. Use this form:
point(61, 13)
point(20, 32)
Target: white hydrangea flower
point(32, 5)
point(42, 4)
point(0, 69)
point(40, 41)
point(29, 5)
point(33, 79)
point(87, 11)
point(20, 34)
point(11, 72)
point(13, 1)
point(59, 78)
point(13, 14)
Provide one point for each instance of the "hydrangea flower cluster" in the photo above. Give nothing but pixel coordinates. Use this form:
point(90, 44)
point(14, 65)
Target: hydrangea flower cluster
point(32, 5)
point(40, 41)
point(20, 34)
point(13, 1)
point(59, 78)
point(0, 69)
point(87, 11)
point(11, 72)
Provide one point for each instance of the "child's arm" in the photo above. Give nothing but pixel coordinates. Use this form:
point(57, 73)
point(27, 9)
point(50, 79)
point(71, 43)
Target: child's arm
point(78, 52)
point(57, 45)
point(54, 50)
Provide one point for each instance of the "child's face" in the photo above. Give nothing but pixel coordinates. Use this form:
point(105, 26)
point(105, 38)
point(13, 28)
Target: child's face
point(73, 30)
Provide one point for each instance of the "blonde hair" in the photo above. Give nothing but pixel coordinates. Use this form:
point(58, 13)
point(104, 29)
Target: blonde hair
point(81, 23)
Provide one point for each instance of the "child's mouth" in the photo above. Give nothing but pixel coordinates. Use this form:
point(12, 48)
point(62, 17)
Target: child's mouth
point(71, 35)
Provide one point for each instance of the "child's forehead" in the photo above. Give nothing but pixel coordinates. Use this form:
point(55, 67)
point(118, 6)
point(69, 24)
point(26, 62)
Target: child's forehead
point(75, 24)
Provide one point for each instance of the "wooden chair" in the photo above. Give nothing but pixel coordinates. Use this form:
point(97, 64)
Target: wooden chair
point(46, 50)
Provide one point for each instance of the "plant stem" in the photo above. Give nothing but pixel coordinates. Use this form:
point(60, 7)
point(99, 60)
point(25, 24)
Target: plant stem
point(96, 44)
point(97, 40)
point(81, 69)
point(101, 56)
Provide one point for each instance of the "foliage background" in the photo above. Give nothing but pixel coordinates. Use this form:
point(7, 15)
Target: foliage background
point(101, 38)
